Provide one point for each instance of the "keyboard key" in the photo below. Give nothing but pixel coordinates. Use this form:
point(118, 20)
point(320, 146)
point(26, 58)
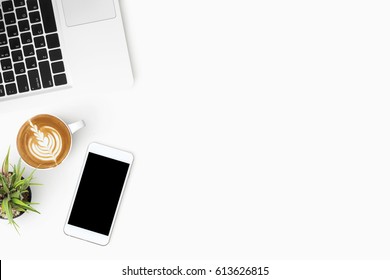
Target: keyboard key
point(1, 79)
point(9, 18)
point(2, 26)
point(2, 92)
point(60, 80)
point(53, 41)
point(4, 52)
point(33, 78)
point(44, 69)
point(19, 3)
point(55, 55)
point(57, 67)
point(42, 54)
point(17, 55)
point(11, 89)
point(31, 62)
point(28, 50)
point(22, 83)
point(33, 4)
point(26, 38)
point(12, 31)
point(24, 25)
point(19, 68)
point(7, 6)
point(37, 29)
point(48, 18)
point(21, 13)
point(8, 76)
point(34, 17)
point(3, 39)
point(14, 43)
point(39, 42)
point(1, 15)
point(6, 64)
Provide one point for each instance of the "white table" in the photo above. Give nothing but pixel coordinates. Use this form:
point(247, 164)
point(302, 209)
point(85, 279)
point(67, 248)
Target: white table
point(260, 129)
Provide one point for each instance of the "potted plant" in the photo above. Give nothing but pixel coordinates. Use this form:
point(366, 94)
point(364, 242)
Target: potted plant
point(15, 191)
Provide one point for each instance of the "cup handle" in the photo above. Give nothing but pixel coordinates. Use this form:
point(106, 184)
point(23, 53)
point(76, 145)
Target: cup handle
point(76, 126)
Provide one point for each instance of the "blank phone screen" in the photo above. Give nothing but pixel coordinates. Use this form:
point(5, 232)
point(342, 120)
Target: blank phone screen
point(98, 194)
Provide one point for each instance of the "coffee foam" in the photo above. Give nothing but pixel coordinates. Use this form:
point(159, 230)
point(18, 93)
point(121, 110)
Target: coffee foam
point(44, 141)
point(46, 145)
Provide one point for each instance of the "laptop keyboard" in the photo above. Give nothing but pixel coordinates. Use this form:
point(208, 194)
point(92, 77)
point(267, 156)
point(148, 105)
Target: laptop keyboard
point(30, 54)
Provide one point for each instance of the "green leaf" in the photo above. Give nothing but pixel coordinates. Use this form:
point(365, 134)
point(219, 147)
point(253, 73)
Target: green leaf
point(17, 170)
point(19, 209)
point(6, 163)
point(8, 210)
point(15, 194)
point(12, 221)
point(19, 184)
point(30, 177)
point(35, 184)
point(4, 184)
point(23, 205)
point(12, 180)
point(25, 186)
point(4, 206)
point(21, 173)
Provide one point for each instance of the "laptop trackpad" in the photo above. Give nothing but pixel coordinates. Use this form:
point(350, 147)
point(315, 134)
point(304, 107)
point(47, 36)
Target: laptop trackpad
point(86, 11)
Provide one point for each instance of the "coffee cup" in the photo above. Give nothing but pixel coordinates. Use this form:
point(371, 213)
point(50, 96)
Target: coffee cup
point(44, 141)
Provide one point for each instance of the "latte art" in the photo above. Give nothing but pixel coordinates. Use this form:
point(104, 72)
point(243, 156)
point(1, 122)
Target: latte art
point(44, 141)
point(46, 145)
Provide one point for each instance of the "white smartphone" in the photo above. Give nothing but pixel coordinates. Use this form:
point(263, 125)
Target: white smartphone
point(98, 194)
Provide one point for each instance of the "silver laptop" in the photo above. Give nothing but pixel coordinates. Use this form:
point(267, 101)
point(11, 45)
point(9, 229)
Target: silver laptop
point(50, 45)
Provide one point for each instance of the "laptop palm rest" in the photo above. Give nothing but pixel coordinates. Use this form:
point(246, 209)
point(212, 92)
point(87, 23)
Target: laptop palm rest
point(79, 12)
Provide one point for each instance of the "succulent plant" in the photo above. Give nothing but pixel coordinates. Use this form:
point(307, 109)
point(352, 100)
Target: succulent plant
point(14, 191)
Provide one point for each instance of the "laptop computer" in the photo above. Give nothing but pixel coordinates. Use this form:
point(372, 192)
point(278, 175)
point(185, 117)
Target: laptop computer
point(50, 45)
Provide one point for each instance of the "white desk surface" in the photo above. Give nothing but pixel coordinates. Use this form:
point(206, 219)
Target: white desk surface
point(260, 129)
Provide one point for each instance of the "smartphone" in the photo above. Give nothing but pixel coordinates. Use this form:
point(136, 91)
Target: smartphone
point(98, 194)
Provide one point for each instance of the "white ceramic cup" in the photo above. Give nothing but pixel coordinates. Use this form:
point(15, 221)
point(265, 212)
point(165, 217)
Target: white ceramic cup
point(45, 141)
